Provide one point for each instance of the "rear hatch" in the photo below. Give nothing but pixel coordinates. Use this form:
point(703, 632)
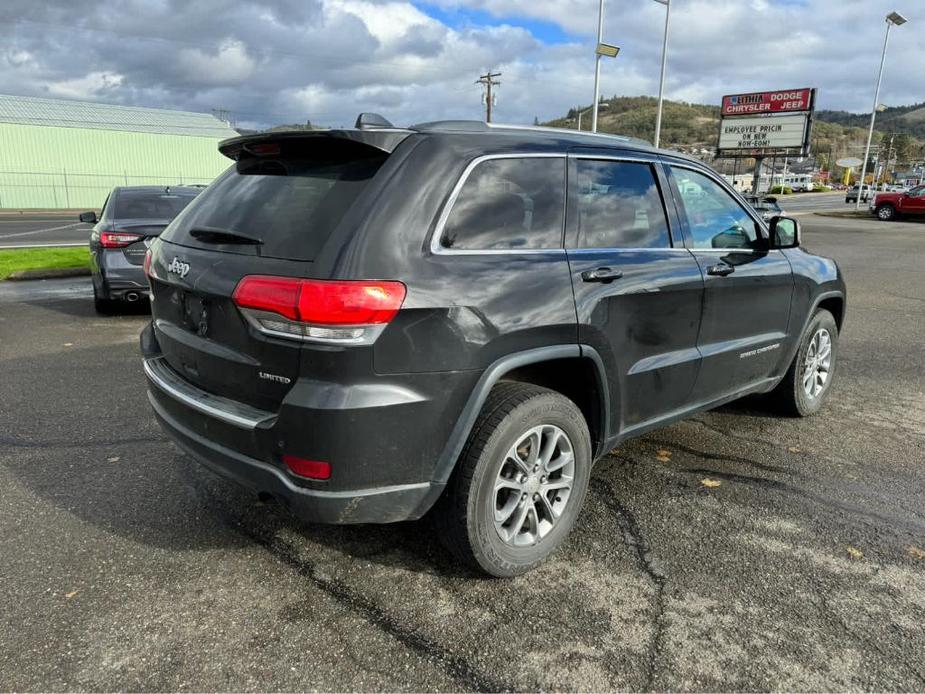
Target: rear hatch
point(269, 214)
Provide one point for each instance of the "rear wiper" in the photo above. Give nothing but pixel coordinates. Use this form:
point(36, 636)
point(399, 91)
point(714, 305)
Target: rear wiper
point(216, 235)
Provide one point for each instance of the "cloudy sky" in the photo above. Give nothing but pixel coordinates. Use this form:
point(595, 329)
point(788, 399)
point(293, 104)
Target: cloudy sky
point(274, 61)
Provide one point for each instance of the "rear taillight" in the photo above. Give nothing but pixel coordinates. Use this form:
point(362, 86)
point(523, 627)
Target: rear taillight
point(148, 263)
point(118, 239)
point(335, 311)
point(311, 469)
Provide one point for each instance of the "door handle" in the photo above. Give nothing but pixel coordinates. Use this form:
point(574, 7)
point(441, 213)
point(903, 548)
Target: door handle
point(601, 274)
point(720, 270)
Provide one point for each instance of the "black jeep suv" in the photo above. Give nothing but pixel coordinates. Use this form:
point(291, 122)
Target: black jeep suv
point(370, 323)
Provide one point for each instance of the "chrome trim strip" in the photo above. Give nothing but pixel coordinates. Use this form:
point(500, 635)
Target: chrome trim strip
point(579, 251)
point(437, 248)
point(235, 413)
point(653, 159)
point(370, 334)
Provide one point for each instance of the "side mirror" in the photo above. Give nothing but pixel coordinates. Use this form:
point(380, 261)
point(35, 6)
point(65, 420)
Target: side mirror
point(785, 232)
point(88, 217)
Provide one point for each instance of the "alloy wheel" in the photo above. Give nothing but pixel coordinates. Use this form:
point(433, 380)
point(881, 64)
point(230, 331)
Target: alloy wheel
point(533, 485)
point(818, 363)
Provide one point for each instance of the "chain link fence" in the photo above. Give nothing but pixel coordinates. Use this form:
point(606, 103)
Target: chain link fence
point(63, 190)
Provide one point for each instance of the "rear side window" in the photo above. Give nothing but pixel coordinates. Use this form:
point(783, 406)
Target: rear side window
point(509, 204)
point(292, 200)
point(130, 204)
point(618, 205)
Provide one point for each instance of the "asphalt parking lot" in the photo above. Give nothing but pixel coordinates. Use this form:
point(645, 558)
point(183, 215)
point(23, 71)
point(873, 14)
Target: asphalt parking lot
point(126, 567)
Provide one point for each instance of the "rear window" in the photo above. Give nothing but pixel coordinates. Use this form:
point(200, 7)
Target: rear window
point(292, 200)
point(130, 204)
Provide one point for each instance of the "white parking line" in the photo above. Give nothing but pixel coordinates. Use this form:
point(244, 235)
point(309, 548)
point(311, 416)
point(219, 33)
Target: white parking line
point(42, 245)
point(40, 231)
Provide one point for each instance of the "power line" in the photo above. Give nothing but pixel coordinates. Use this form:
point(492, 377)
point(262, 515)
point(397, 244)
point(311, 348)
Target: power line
point(489, 81)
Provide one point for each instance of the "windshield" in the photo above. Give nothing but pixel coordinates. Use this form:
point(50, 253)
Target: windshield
point(130, 204)
point(291, 202)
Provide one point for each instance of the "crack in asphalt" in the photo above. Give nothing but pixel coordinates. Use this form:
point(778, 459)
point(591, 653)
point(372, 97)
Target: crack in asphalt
point(723, 458)
point(459, 668)
point(634, 539)
point(773, 444)
point(904, 524)
point(770, 443)
point(873, 518)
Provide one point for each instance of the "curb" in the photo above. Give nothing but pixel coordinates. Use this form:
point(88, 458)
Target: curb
point(49, 274)
point(846, 215)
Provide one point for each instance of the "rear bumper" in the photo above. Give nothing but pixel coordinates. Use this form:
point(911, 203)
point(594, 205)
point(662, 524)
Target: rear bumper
point(119, 275)
point(376, 505)
point(381, 473)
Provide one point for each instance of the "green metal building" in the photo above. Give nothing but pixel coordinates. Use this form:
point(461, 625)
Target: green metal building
point(69, 154)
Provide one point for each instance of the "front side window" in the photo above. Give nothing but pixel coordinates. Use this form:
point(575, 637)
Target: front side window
point(618, 205)
point(715, 218)
point(509, 204)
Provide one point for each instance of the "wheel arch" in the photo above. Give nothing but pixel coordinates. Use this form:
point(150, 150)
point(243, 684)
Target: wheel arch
point(834, 303)
point(571, 370)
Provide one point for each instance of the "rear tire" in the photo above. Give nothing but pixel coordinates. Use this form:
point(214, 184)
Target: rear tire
point(519, 483)
point(808, 381)
point(104, 307)
point(886, 213)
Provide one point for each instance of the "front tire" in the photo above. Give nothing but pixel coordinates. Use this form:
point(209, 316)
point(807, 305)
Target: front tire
point(520, 482)
point(886, 213)
point(805, 388)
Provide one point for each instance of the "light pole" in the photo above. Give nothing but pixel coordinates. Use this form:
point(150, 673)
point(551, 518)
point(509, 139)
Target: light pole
point(891, 19)
point(603, 50)
point(597, 66)
point(603, 107)
point(661, 84)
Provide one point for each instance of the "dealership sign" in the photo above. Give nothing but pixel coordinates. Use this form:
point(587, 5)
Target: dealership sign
point(763, 132)
point(766, 123)
point(758, 103)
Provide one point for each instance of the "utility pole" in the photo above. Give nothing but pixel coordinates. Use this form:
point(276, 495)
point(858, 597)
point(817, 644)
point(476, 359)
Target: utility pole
point(489, 81)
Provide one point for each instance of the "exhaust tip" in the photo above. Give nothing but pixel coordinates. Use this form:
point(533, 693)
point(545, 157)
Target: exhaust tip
point(131, 297)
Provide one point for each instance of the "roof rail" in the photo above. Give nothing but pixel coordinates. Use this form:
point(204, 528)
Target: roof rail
point(482, 126)
point(550, 129)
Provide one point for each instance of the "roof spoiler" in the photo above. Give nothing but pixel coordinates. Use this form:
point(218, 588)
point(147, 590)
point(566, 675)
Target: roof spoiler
point(382, 139)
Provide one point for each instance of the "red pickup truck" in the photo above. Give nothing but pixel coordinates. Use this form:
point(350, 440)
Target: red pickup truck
point(889, 206)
